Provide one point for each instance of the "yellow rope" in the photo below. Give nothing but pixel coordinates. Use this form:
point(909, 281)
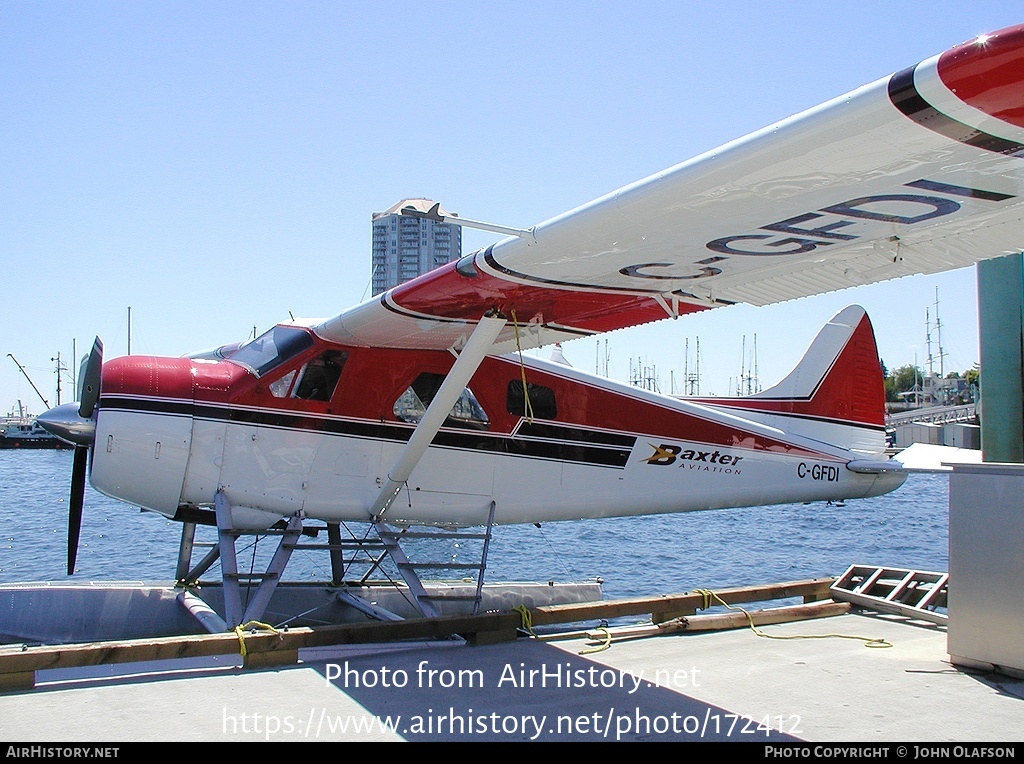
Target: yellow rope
point(527, 406)
point(252, 625)
point(709, 598)
point(526, 619)
point(605, 646)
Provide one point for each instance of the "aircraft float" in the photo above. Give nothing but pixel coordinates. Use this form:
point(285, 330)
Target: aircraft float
point(418, 407)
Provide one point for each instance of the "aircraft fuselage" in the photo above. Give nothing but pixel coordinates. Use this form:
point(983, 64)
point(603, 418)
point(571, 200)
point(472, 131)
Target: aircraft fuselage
point(318, 428)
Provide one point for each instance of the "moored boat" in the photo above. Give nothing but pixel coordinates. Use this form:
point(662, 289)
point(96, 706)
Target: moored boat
point(25, 432)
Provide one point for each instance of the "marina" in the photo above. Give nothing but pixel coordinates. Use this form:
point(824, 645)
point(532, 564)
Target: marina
point(19, 429)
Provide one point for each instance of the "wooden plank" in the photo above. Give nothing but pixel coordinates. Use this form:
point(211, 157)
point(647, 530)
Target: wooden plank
point(737, 620)
point(34, 658)
point(270, 660)
point(685, 602)
point(730, 620)
point(23, 680)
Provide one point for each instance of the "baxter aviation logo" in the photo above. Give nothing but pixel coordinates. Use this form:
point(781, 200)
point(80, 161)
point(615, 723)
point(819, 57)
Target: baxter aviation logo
point(666, 454)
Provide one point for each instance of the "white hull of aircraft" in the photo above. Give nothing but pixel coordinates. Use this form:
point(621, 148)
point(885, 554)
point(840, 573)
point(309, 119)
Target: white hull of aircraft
point(279, 461)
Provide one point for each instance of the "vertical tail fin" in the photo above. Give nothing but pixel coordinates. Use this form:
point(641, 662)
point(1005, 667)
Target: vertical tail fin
point(835, 394)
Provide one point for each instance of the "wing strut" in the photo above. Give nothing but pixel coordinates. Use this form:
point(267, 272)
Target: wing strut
point(469, 360)
point(434, 213)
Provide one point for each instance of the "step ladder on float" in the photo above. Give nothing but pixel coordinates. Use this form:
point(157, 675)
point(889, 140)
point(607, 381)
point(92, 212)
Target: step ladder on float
point(391, 538)
point(247, 594)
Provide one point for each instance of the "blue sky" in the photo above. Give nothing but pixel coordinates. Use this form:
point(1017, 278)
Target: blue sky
point(214, 166)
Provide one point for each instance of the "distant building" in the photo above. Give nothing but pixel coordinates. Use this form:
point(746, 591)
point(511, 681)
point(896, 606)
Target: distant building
point(405, 247)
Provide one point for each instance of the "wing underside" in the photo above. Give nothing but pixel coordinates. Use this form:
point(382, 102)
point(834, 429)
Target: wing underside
point(919, 172)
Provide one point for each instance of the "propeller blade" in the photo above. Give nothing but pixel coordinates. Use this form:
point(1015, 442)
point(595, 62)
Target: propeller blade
point(91, 380)
point(75, 507)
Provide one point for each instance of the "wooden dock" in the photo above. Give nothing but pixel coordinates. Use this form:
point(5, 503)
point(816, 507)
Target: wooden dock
point(261, 646)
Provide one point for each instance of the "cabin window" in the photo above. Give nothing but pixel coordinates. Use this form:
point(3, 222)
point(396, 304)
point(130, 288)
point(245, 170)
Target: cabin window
point(466, 266)
point(280, 387)
point(541, 399)
point(412, 404)
point(271, 349)
point(319, 377)
point(315, 381)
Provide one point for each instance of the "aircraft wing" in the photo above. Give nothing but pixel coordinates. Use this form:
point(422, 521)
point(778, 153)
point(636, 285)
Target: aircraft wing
point(919, 172)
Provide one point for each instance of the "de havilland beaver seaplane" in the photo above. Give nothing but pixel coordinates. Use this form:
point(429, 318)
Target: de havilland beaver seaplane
point(423, 393)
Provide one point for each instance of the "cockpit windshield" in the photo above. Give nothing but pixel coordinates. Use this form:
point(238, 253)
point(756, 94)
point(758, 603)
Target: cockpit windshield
point(270, 350)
